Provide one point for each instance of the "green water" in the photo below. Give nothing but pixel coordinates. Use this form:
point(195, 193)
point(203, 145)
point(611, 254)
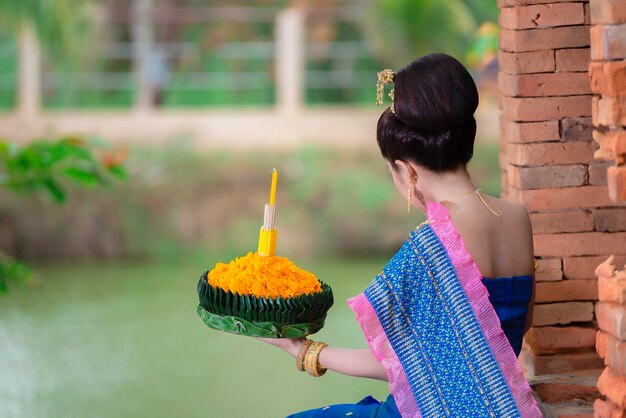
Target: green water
point(125, 341)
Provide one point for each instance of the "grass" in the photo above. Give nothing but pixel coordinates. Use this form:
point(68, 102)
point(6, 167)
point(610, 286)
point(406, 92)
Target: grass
point(124, 340)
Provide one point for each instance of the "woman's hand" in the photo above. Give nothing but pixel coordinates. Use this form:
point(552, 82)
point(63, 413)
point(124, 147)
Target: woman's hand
point(290, 345)
point(359, 362)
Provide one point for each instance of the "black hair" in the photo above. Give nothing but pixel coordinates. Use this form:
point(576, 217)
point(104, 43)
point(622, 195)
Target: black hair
point(433, 126)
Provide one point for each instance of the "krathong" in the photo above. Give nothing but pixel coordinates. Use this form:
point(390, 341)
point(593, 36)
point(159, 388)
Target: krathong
point(262, 294)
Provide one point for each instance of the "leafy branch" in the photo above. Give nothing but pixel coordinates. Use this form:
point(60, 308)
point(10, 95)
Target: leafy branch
point(48, 167)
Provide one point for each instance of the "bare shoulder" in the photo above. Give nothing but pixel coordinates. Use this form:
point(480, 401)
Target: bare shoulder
point(500, 245)
point(516, 223)
point(514, 218)
point(516, 211)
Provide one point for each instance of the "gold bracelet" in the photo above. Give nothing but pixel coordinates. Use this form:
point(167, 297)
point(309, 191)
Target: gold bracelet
point(301, 352)
point(311, 359)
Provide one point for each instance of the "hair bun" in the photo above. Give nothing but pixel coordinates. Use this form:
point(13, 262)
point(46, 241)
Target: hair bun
point(435, 93)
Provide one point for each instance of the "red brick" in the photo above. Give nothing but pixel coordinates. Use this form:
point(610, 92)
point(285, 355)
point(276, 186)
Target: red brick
point(575, 59)
point(607, 11)
point(561, 198)
point(526, 62)
point(612, 145)
point(606, 268)
point(616, 182)
point(542, 39)
point(542, 16)
point(534, 109)
point(610, 220)
point(548, 269)
point(596, 76)
point(584, 267)
point(607, 409)
point(530, 131)
point(547, 176)
point(552, 153)
point(602, 339)
point(597, 172)
point(576, 220)
point(551, 340)
point(619, 150)
point(615, 354)
point(579, 243)
point(576, 129)
point(616, 78)
point(587, 14)
point(613, 386)
point(566, 290)
point(607, 42)
point(606, 111)
point(612, 319)
point(608, 78)
point(562, 313)
point(544, 84)
point(503, 158)
point(511, 3)
point(563, 388)
point(559, 363)
point(504, 127)
point(611, 289)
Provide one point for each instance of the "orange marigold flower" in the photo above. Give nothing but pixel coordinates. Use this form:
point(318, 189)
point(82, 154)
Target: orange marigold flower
point(263, 276)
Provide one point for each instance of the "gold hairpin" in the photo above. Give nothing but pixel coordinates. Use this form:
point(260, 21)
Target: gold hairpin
point(384, 77)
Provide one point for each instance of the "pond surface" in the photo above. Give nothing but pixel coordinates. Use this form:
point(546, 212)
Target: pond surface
point(125, 341)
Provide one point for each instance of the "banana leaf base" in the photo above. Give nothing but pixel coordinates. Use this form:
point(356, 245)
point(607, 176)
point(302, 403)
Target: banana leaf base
point(240, 326)
point(260, 316)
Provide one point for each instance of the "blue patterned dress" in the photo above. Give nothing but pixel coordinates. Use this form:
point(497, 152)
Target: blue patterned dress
point(509, 297)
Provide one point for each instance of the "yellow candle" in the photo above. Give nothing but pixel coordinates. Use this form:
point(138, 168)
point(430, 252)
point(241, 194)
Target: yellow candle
point(273, 188)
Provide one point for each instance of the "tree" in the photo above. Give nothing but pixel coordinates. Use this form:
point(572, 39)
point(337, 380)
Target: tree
point(406, 29)
point(402, 30)
point(59, 24)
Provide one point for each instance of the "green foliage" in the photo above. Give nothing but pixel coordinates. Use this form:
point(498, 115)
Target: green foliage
point(484, 45)
point(13, 271)
point(44, 165)
point(8, 71)
point(484, 10)
point(402, 30)
point(61, 25)
point(330, 202)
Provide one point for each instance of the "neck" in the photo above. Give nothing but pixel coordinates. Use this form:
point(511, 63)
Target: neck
point(441, 187)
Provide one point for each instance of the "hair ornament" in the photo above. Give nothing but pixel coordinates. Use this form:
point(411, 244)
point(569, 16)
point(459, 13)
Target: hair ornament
point(384, 77)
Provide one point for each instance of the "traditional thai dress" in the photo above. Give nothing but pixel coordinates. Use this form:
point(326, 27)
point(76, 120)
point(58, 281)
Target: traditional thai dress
point(447, 337)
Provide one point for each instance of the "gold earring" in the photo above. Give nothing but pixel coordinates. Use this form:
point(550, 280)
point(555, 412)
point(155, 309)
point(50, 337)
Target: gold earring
point(410, 193)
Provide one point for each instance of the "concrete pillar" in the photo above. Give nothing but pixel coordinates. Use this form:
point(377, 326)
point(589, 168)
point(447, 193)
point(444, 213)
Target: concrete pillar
point(143, 39)
point(29, 77)
point(290, 57)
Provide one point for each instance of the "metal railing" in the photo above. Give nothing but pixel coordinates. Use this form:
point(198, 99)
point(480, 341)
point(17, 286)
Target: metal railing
point(189, 56)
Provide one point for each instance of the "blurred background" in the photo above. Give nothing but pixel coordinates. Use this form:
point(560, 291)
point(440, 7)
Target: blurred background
point(136, 144)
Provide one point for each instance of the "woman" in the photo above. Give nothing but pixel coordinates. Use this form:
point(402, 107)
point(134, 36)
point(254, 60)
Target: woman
point(444, 321)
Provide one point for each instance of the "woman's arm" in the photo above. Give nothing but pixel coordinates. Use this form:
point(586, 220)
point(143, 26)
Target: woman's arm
point(358, 362)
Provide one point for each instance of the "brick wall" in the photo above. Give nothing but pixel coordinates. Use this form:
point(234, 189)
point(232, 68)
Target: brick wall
point(547, 161)
point(607, 74)
point(611, 340)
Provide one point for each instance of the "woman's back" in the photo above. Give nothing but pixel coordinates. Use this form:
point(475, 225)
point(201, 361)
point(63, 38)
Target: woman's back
point(501, 246)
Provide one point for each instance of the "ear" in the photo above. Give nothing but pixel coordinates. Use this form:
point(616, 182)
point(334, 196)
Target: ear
point(406, 169)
